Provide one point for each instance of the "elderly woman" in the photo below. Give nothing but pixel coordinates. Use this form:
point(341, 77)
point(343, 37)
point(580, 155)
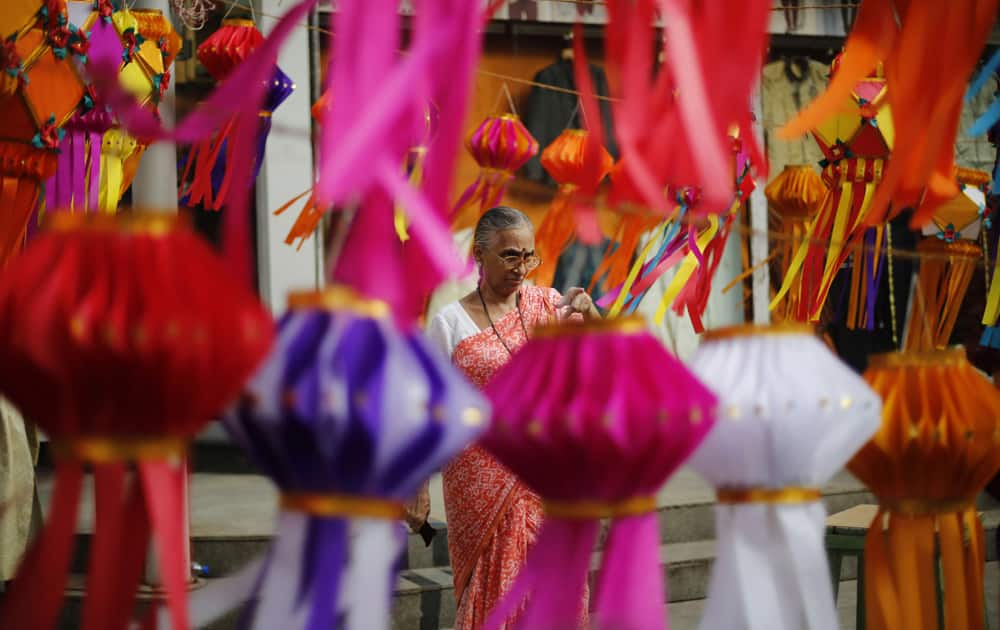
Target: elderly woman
point(492, 517)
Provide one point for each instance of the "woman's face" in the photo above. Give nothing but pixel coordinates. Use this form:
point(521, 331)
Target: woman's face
point(502, 278)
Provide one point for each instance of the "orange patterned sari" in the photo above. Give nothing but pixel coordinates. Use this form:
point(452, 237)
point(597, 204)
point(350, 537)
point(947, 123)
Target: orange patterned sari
point(493, 518)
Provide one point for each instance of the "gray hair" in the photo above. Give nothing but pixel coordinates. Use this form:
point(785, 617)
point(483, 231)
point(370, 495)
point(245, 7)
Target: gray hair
point(498, 219)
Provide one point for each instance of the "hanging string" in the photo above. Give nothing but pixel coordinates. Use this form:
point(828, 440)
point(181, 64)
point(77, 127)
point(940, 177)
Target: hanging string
point(892, 286)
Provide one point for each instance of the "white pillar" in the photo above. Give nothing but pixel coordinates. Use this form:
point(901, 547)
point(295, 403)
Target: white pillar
point(286, 172)
point(155, 184)
point(758, 237)
point(155, 188)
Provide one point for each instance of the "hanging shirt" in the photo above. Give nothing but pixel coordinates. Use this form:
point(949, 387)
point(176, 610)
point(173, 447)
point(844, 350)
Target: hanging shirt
point(787, 86)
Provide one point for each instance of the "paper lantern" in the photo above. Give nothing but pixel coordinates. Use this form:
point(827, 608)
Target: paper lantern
point(795, 196)
point(38, 50)
point(348, 416)
point(279, 88)
point(935, 451)
point(91, 173)
point(114, 344)
point(594, 418)
point(950, 255)
point(500, 145)
point(926, 84)
point(791, 416)
point(856, 141)
point(578, 166)
point(220, 53)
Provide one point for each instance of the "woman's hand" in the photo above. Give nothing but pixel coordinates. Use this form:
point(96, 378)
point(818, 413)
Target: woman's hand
point(576, 301)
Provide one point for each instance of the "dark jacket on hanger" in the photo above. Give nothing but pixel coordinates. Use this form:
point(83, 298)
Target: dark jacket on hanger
point(550, 112)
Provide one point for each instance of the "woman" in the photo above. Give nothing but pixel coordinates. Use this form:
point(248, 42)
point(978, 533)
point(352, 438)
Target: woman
point(492, 517)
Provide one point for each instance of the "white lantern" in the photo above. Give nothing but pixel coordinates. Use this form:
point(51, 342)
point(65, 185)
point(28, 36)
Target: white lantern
point(791, 416)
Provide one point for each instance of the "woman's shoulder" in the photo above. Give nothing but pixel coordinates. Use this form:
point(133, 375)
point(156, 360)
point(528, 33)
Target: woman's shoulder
point(545, 295)
point(450, 314)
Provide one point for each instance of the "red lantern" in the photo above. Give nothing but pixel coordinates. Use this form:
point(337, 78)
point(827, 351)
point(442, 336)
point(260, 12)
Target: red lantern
point(220, 53)
point(578, 164)
point(113, 341)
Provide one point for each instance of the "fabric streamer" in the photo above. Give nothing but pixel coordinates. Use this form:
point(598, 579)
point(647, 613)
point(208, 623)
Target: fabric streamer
point(578, 166)
point(856, 139)
point(500, 145)
point(594, 417)
point(953, 254)
point(114, 343)
point(791, 416)
point(673, 125)
point(925, 89)
point(933, 454)
point(374, 123)
point(279, 88)
point(40, 46)
point(794, 197)
point(348, 417)
point(206, 178)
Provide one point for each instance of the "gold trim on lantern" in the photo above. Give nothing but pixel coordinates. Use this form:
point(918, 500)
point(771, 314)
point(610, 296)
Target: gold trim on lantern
point(509, 117)
point(791, 494)
point(963, 248)
point(926, 507)
point(338, 298)
point(594, 510)
point(101, 449)
point(758, 330)
point(239, 22)
point(911, 358)
point(630, 325)
point(342, 505)
point(153, 223)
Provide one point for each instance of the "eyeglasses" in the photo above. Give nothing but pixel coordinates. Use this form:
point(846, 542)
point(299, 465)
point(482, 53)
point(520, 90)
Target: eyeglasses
point(513, 261)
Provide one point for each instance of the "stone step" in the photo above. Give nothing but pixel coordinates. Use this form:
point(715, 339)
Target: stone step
point(233, 517)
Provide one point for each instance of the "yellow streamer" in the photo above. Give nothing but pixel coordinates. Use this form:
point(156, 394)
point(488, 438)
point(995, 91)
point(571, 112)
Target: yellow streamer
point(688, 265)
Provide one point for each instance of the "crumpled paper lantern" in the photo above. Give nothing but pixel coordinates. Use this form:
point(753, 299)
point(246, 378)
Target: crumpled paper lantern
point(594, 417)
point(791, 415)
point(578, 165)
point(500, 145)
point(45, 96)
point(220, 53)
point(795, 196)
point(348, 417)
point(114, 343)
point(950, 256)
point(857, 140)
point(938, 446)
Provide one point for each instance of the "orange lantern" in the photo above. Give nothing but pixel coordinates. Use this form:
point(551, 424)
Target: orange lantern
point(578, 165)
point(938, 446)
point(37, 46)
point(794, 196)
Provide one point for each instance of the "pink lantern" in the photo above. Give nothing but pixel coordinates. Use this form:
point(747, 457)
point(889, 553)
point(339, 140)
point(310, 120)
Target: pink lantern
point(594, 417)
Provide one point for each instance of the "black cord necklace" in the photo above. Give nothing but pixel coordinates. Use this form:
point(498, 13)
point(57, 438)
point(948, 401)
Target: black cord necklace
point(496, 332)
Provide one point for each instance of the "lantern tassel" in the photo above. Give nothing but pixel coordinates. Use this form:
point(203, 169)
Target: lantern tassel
point(942, 283)
point(554, 234)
